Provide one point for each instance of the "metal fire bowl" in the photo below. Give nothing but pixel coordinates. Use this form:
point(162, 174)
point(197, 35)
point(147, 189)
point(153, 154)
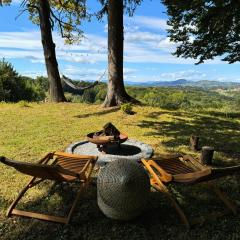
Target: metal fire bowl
point(123, 138)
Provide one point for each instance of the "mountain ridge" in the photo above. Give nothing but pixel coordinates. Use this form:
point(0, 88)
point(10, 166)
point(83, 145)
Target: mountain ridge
point(185, 83)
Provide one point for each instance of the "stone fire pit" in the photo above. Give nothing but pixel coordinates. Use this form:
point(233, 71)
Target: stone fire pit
point(131, 149)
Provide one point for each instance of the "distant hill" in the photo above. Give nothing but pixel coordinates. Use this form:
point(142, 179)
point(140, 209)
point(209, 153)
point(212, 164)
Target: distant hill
point(184, 83)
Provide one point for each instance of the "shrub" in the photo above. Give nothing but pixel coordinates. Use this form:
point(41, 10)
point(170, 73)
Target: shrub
point(14, 87)
point(23, 103)
point(89, 96)
point(127, 108)
point(42, 83)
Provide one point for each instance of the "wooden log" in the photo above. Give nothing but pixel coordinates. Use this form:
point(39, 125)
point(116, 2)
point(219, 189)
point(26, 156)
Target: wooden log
point(110, 130)
point(194, 142)
point(207, 155)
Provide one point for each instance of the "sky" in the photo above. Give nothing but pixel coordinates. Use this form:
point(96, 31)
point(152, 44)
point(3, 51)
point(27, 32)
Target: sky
point(147, 49)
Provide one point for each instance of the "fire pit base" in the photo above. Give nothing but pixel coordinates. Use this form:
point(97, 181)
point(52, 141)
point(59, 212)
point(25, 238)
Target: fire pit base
point(131, 149)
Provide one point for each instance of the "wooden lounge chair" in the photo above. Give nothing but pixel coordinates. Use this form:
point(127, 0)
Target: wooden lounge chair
point(185, 169)
point(64, 168)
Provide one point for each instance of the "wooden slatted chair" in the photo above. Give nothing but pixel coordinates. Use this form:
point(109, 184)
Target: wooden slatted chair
point(64, 168)
point(186, 170)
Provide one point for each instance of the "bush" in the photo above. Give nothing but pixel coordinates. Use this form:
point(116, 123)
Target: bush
point(127, 108)
point(23, 103)
point(42, 83)
point(14, 87)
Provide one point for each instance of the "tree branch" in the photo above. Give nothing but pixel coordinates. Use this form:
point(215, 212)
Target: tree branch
point(21, 12)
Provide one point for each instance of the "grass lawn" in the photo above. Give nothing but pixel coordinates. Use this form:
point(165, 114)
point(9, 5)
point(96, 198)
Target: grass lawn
point(28, 132)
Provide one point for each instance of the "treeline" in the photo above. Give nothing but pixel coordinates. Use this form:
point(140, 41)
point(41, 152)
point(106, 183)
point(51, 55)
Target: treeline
point(186, 97)
point(171, 98)
point(14, 88)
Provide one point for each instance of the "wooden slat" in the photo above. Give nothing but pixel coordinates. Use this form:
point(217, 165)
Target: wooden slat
point(74, 155)
point(191, 177)
point(71, 164)
point(174, 169)
point(194, 162)
point(39, 216)
point(65, 167)
point(66, 159)
point(177, 168)
point(173, 163)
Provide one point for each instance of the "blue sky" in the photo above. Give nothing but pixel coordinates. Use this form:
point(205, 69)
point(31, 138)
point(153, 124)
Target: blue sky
point(147, 54)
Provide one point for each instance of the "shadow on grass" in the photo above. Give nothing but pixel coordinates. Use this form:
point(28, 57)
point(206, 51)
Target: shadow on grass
point(223, 134)
point(100, 113)
point(159, 221)
point(232, 115)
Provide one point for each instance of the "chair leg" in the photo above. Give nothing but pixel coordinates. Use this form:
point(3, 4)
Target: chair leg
point(39, 216)
point(82, 188)
point(176, 206)
point(30, 184)
point(230, 205)
point(13, 211)
point(20, 195)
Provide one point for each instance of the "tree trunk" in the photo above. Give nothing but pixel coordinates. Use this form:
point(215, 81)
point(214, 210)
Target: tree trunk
point(56, 91)
point(116, 93)
point(194, 142)
point(207, 155)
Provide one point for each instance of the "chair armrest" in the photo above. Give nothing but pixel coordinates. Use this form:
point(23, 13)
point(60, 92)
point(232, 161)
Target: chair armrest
point(163, 175)
point(46, 158)
point(64, 154)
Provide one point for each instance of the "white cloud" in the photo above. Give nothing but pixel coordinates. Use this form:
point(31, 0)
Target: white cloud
point(149, 22)
point(140, 47)
point(129, 71)
point(186, 74)
point(166, 45)
point(34, 74)
point(85, 74)
point(140, 36)
point(21, 40)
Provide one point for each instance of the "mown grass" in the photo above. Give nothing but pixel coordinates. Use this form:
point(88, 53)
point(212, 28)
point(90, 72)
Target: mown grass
point(28, 131)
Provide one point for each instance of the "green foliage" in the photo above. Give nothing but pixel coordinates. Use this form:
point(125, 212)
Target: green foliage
point(23, 103)
point(171, 98)
point(127, 108)
point(89, 96)
point(205, 29)
point(92, 95)
point(43, 83)
point(65, 16)
point(14, 87)
point(184, 97)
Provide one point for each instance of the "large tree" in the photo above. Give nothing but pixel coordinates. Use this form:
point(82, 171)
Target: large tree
point(205, 29)
point(116, 93)
point(55, 89)
point(65, 15)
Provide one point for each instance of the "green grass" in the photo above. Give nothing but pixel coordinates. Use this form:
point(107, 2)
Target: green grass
point(28, 131)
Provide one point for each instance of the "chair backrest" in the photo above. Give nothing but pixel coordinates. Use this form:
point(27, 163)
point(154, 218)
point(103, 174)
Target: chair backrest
point(44, 171)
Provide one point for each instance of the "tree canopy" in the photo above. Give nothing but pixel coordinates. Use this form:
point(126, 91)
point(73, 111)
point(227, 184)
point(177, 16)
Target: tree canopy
point(65, 16)
point(204, 29)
